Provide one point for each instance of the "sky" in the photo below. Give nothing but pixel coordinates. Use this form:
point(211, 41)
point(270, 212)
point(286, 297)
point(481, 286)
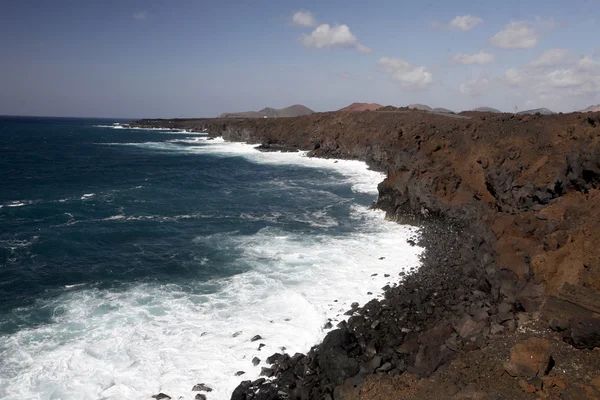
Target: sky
point(136, 59)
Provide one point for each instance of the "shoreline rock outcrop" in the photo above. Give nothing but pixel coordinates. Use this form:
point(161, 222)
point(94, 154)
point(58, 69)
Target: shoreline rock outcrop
point(510, 210)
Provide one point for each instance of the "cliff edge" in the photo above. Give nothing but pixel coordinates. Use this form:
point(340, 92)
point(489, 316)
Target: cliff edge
point(507, 302)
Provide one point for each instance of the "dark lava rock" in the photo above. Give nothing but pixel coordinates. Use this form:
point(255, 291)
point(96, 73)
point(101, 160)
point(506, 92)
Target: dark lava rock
point(274, 358)
point(585, 332)
point(255, 338)
point(333, 356)
point(240, 392)
point(238, 333)
point(260, 346)
point(161, 396)
point(240, 373)
point(200, 396)
point(201, 387)
point(468, 327)
point(255, 361)
point(432, 352)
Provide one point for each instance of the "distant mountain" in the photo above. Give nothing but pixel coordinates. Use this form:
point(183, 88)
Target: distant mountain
point(487, 109)
point(442, 110)
point(420, 107)
point(291, 111)
point(592, 108)
point(542, 111)
point(392, 108)
point(362, 107)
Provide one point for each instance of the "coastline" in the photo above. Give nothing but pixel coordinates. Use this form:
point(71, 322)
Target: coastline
point(494, 187)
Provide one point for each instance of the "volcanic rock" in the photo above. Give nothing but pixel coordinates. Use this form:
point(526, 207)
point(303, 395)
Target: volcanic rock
point(201, 387)
point(529, 358)
point(585, 332)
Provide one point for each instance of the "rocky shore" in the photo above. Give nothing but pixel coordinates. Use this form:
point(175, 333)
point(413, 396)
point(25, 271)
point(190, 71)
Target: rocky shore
point(507, 302)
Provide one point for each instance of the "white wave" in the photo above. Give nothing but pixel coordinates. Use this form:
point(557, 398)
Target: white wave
point(115, 218)
point(16, 204)
point(361, 178)
point(87, 196)
point(122, 217)
point(165, 338)
point(74, 286)
point(156, 338)
point(14, 244)
point(125, 126)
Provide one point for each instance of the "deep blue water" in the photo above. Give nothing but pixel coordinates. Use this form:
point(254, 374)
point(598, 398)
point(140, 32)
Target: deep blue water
point(129, 258)
point(65, 182)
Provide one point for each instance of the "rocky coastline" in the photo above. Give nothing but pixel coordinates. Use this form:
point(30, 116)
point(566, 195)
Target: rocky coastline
point(507, 302)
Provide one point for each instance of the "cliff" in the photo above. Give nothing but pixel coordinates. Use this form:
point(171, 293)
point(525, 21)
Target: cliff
point(510, 208)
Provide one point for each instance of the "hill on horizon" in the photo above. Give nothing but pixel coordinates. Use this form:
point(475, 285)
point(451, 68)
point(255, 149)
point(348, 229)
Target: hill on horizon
point(292, 111)
point(442, 110)
point(592, 108)
point(487, 109)
point(424, 107)
point(542, 111)
point(354, 107)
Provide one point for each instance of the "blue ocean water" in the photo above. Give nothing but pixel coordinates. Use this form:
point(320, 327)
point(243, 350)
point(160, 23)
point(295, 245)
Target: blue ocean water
point(138, 261)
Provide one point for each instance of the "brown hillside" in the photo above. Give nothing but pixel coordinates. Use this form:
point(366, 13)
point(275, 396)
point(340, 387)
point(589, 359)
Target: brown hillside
point(362, 107)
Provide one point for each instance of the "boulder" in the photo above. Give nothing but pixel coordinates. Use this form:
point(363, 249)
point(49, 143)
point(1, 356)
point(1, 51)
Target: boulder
point(201, 387)
point(433, 352)
point(240, 391)
point(161, 396)
point(333, 358)
point(467, 327)
point(531, 297)
point(529, 358)
point(585, 332)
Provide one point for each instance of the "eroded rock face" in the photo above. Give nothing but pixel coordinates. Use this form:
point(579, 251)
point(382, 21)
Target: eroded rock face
point(513, 204)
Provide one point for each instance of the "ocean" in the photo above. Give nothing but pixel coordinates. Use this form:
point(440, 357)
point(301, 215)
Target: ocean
point(134, 262)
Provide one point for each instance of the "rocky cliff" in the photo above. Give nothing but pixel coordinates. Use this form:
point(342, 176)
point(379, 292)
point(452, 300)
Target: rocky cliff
point(510, 208)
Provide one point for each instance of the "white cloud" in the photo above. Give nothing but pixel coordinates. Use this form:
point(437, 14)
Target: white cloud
point(140, 15)
point(513, 76)
point(465, 22)
point(479, 58)
point(462, 23)
point(475, 87)
point(407, 75)
point(304, 18)
point(363, 49)
point(550, 58)
point(516, 35)
point(333, 36)
point(557, 74)
point(522, 34)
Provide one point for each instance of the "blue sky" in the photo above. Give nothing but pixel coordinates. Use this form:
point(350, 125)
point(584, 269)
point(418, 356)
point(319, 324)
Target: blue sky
point(201, 58)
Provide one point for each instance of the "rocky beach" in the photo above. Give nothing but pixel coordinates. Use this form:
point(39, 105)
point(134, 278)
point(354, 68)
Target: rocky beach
point(506, 304)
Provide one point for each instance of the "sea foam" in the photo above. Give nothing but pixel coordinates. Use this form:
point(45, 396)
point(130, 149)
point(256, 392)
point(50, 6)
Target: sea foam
point(151, 338)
